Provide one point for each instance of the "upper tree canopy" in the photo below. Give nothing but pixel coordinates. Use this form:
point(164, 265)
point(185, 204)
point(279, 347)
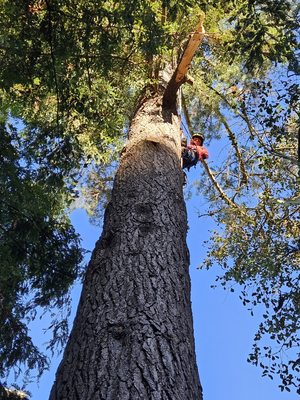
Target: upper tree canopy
point(71, 72)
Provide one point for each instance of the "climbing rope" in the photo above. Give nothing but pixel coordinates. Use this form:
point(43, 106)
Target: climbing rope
point(183, 117)
point(185, 128)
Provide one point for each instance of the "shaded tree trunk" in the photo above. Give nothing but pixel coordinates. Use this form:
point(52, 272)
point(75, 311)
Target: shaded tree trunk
point(133, 333)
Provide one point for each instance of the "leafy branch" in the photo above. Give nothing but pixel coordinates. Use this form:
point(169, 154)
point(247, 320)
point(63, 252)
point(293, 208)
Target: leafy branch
point(218, 187)
point(235, 145)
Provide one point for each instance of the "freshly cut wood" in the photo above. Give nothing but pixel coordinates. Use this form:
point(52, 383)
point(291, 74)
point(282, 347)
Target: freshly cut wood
point(180, 74)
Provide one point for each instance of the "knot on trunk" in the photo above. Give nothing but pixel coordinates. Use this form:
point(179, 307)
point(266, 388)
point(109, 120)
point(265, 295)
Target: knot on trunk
point(143, 213)
point(117, 330)
point(144, 217)
point(108, 238)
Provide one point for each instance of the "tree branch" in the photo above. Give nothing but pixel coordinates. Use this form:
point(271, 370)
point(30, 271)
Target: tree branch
point(234, 143)
point(217, 186)
point(269, 148)
point(253, 132)
point(210, 174)
point(179, 75)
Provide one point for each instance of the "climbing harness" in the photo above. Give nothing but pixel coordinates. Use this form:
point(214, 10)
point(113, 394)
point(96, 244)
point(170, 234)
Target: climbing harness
point(189, 158)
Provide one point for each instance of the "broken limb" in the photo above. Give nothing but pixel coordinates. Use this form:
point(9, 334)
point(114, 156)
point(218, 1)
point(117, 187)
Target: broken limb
point(179, 76)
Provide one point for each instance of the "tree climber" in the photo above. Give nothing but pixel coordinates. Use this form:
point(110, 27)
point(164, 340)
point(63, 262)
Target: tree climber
point(193, 152)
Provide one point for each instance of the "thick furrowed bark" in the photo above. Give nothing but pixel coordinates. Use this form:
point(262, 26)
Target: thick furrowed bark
point(133, 333)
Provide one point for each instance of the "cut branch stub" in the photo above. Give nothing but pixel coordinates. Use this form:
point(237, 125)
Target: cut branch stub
point(179, 76)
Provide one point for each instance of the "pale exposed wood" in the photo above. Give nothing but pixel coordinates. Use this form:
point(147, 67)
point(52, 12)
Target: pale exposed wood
point(12, 394)
point(179, 76)
point(188, 54)
point(132, 337)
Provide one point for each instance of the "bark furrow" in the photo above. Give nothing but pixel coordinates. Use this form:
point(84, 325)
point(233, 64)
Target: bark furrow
point(133, 333)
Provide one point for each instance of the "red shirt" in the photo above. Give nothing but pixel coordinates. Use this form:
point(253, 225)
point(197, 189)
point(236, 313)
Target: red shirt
point(201, 150)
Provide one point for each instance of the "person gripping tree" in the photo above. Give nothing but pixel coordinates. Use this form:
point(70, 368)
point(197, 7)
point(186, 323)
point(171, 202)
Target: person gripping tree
point(193, 152)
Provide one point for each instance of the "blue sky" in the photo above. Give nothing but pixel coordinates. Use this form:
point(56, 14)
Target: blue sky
point(223, 327)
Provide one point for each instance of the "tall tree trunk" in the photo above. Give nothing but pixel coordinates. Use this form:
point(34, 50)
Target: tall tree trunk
point(133, 333)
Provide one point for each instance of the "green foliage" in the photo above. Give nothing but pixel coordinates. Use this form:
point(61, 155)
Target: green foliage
point(70, 76)
point(39, 250)
point(71, 72)
point(257, 242)
point(245, 94)
point(257, 32)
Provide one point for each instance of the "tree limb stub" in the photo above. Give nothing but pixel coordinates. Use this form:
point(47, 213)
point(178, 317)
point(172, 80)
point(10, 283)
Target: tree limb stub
point(179, 76)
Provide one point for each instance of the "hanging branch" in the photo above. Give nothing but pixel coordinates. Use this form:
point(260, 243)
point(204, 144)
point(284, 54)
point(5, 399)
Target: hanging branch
point(223, 195)
point(224, 98)
point(232, 106)
point(209, 172)
point(218, 187)
point(269, 148)
point(235, 145)
point(180, 74)
point(252, 130)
